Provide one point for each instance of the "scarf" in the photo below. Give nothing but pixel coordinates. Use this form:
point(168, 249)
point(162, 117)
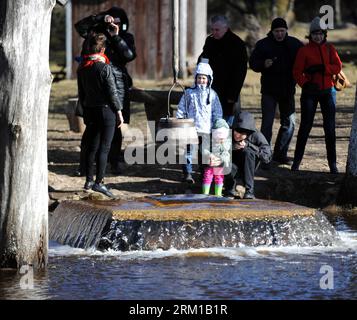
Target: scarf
point(90, 59)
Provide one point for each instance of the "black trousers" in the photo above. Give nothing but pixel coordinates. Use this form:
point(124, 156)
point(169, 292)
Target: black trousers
point(115, 149)
point(100, 127)
point(244, 164)
point(309, 104)
point(114, 155)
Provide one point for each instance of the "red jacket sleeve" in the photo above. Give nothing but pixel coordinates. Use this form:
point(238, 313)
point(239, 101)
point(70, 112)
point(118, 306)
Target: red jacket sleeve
point(335, 65)
point(299, 67)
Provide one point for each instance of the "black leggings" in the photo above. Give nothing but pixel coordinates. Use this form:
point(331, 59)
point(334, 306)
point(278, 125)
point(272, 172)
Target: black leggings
point(308, 109)
point(101, 123)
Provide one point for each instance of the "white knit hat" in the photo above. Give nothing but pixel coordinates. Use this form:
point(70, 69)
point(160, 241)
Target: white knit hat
point(205, 69)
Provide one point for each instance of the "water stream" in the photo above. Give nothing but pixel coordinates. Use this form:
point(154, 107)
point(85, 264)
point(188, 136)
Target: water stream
point(264, 271)
point(150, 235)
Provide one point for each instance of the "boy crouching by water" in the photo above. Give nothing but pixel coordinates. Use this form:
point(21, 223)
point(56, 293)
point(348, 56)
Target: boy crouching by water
point(249, 148)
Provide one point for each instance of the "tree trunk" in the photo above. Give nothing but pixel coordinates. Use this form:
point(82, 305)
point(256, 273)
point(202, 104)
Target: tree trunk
point(338, 13)
point(197, 30)
point(25, 82)
point(254, 34)
point(348, 192)
point(274, 9)
point(290, 13)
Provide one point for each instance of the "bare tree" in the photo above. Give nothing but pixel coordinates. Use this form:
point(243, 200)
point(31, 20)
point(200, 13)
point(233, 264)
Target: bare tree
point(290, 13)
point(338, 15)
point(25, 82)
point(274, 9)
point(348, 192)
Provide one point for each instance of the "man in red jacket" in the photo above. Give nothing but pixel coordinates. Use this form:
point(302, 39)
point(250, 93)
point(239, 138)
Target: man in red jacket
point(314, 67)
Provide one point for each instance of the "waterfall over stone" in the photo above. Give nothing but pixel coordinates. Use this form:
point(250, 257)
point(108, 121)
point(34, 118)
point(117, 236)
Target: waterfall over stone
point(185, 221)
point(78, 227)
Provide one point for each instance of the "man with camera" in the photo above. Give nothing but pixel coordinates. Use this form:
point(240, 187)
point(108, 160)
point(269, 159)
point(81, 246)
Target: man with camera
point(120, 50)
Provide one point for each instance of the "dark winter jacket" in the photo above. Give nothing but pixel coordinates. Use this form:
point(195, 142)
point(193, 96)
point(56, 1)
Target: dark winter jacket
point(120, 49)
point(255, 140)
point(277, 80)
point(97, 87)
point(314, 54)
point(228, 60)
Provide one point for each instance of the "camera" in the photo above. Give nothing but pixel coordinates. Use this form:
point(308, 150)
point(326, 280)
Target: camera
point(109, 25)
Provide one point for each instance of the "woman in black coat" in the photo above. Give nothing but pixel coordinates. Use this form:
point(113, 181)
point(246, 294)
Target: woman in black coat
point(120, 51)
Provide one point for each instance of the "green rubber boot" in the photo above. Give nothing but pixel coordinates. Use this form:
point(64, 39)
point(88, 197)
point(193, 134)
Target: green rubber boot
point(218, 190)
point(206, 188)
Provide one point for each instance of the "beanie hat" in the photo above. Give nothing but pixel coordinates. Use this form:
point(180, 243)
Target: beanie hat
point(220, 123)
point(220, 129)
point(278, 23)
point(316, 25)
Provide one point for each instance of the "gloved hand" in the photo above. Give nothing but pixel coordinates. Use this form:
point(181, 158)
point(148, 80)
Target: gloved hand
point(315, 68)
point(310, 88)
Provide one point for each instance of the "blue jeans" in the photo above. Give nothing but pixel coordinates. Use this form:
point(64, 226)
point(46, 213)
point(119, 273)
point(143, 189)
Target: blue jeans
point(236, 110)
point(229, 120)
point(334, 94)
point(308, 109)
point(287, 122)
point(191, 149)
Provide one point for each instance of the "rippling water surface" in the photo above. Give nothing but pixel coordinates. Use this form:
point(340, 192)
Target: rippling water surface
point(263, 272)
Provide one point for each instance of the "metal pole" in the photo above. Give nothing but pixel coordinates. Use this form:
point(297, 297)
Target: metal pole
point(175, 39)
point(69, 40)
point(183, 40)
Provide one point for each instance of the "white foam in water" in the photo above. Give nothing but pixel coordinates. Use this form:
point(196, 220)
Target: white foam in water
point(56, 249)
point(348, 243)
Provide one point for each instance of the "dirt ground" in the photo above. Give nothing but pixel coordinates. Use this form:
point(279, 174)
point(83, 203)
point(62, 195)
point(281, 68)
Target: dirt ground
point(312, 186)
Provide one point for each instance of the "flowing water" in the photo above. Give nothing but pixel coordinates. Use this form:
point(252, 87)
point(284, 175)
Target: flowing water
point(241, 272)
